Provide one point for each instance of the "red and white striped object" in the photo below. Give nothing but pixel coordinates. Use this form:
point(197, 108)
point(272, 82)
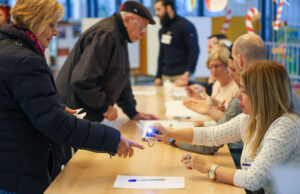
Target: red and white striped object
point(227, 21)
point(252, 15)
point(278, 16)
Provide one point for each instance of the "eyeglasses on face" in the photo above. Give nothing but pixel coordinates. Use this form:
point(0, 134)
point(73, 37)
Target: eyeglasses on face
point(215, 66)
point(142, 28)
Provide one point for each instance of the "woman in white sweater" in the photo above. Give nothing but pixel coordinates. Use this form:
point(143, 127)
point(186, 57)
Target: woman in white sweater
point(268, 127)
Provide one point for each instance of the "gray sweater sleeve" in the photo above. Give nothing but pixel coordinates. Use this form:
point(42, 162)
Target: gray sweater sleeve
point(232, 111)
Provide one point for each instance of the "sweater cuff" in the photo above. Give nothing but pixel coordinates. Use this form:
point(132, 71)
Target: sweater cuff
point(131, 113)
point(196, 136)
point(238, 179)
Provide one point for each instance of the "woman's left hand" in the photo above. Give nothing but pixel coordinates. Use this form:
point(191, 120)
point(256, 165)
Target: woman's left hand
point(196, 162)
point(198, 106)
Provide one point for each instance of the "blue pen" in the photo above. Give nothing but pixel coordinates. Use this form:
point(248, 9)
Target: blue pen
point(136, 180)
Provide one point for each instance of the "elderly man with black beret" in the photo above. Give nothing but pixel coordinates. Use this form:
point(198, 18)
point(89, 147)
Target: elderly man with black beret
point(96, 74)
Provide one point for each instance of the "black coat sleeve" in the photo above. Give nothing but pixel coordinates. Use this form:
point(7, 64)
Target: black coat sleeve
point(34, 90)
point(160, 58)
point(90, 68)
point(127, 102)
point(190, 38)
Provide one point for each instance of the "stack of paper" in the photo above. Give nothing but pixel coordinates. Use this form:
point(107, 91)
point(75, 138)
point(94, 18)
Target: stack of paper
point(171, 89)
point(149, 182)
point(177, 109)
point(144, 93)
point(179, 92)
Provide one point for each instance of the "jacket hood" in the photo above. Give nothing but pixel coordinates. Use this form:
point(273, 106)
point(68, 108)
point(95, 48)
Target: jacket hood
point(10, 32)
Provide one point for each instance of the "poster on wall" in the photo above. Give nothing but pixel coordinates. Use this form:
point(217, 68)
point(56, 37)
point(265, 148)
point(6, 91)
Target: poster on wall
point(216, 5)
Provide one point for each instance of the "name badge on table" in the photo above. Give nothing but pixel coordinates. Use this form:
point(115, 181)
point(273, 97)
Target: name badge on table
point(166, 39)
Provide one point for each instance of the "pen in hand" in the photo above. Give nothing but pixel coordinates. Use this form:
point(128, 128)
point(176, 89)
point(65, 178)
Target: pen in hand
point(136, 180)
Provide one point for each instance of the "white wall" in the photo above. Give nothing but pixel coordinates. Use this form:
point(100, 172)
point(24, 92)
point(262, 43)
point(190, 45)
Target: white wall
point(133, 49)
point(203, 27)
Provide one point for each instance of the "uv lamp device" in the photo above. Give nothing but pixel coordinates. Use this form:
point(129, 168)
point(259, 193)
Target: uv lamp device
point(150, 132)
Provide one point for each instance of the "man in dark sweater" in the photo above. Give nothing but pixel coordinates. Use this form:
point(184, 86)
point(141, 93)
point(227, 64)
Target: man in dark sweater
point(179, 49)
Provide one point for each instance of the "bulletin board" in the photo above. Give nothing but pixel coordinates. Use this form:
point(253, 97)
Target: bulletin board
point(236, 28)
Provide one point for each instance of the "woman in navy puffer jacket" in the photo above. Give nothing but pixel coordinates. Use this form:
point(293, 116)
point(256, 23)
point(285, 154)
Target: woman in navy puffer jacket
point(32, 120)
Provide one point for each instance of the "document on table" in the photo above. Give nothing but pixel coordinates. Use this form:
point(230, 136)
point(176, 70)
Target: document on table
point(144, 124)
point(175, 108)
point(149, 182)
point(179, 92)
point(78, 114)
point(145, 93)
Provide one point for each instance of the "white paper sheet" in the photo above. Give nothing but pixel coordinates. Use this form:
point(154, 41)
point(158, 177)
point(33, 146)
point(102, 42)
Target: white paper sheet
point(179, 92)
point(149, 182)
point(81, 115)
point(144, 93)
point(177, 109)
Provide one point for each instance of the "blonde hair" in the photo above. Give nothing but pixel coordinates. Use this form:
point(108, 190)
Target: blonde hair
point(35, 15)
point(268, 87)
point(221, 53)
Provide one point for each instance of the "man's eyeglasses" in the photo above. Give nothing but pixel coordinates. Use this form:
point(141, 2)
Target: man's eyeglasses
point(142, 28)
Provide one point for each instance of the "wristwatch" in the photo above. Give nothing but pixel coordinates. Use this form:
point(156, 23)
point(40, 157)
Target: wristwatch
point(212, 172)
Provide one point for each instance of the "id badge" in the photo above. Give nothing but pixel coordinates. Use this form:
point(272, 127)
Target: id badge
point(246, 162)
point(166, 39)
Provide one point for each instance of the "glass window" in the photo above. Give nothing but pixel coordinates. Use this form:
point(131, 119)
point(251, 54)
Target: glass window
point(291, 13)
point(11, 2)
point(3, 2)
point(64, 4)
point(187, 7)
point(106, 8)
point(238, 8)
point(149, 4)
point(83, 9)
point(78, 9)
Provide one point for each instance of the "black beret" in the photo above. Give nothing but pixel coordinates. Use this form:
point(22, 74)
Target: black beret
point(138, 9)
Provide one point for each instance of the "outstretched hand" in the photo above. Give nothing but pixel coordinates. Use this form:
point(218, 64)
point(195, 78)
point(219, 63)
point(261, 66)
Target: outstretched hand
point(199, 106)
point(125, 147)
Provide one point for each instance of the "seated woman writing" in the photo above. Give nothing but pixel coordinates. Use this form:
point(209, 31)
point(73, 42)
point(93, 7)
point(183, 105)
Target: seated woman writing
point(268, 127)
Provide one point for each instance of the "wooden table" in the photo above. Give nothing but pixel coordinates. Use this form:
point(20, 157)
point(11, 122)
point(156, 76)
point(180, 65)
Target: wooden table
point(298, 92)
point(92, 173)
